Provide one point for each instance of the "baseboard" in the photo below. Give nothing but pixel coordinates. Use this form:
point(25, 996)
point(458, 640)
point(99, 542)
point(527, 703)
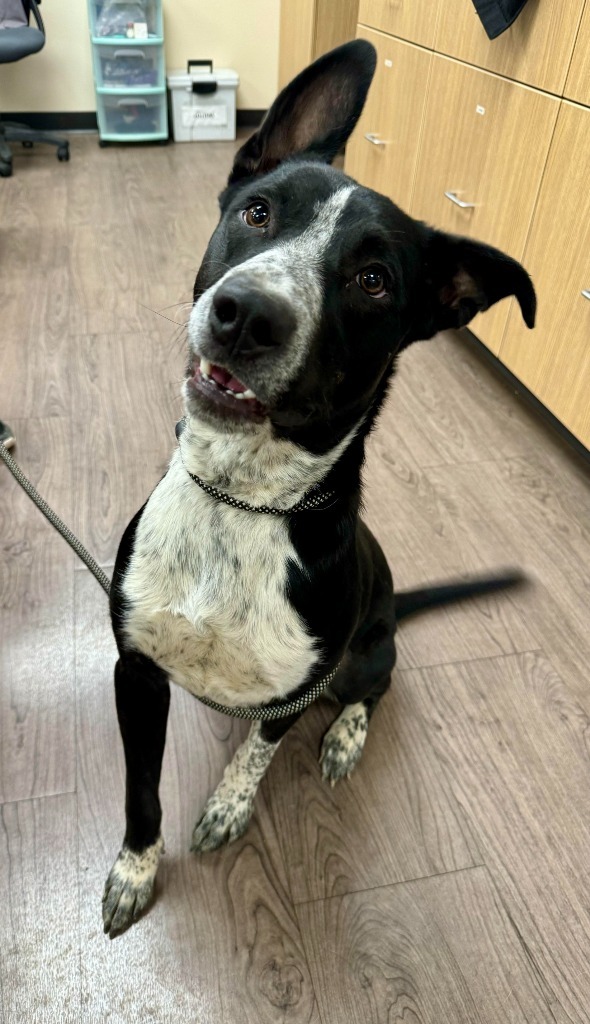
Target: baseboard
point(249, 118)
point(85, 121)
point(50, 121)
point(524, 393)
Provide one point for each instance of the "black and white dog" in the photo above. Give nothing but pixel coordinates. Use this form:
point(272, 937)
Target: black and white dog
point(248, 576)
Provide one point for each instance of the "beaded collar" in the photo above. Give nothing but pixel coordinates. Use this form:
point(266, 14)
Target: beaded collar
point(276, 708)
point(314, 499)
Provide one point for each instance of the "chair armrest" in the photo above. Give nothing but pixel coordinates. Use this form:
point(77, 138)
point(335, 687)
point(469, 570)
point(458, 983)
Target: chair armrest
point(37, 15)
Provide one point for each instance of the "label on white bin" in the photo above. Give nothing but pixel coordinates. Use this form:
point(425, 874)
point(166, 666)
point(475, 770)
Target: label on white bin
point(195, 116)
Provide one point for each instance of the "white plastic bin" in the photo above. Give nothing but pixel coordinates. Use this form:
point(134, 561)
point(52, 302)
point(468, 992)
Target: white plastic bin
point(203, 102)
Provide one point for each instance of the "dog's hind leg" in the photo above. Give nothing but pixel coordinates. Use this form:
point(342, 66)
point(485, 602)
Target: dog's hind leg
point(344, 741)
point(228, 811)
point(143, 697)
point(363, 679)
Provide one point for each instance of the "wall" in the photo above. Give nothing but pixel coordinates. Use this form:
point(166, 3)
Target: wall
point(242, 34)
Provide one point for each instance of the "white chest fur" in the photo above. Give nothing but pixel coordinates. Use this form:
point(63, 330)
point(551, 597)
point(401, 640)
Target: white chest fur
point(206, 592)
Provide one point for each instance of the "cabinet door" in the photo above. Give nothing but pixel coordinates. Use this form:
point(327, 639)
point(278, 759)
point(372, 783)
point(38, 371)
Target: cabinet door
point(335, 24)
point(309, 28)
point(484, 142)
point(297, 35)
point(409, 19)
point(383, 150)
point(577, 86)
point(554, 359)
point(536, 49)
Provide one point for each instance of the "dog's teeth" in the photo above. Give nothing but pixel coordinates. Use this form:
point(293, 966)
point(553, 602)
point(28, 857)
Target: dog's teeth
point(205, 368)
point(242, 394)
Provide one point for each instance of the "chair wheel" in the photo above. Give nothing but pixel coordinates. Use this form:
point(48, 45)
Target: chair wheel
point(63, 152)
point(27, 144)
point(5, 169)
point(102, 143)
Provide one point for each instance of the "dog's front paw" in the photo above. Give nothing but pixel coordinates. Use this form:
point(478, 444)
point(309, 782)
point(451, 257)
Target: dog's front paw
point(129, 887)
point(343, 743)
point(224, 819)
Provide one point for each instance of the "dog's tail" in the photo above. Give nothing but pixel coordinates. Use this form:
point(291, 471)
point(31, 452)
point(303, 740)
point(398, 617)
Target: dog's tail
point(409, 602)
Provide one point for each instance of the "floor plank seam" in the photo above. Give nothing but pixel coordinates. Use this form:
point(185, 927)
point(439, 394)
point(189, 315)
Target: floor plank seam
point(40, 796)
point(467, 661)
point(529, 956)
point(486, 460)
point(77, 810)
point(388, 885)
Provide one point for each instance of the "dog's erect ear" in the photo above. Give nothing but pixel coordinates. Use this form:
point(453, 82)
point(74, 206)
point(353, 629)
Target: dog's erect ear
point(468, 277)
point(314, 114)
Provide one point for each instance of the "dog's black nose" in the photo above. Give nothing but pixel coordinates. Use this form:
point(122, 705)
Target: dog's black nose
point(248, 321)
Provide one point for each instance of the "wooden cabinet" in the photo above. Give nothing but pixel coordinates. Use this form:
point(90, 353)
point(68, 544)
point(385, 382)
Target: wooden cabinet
point(536, 49)
point(489, 139)
point(384, 148)
point(577, 86)
point(484, 143)
point(554, 359)
point(309, 28)
point(408, 19)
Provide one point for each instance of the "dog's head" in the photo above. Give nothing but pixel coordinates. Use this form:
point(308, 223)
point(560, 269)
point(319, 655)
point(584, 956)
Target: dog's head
point(312, 284)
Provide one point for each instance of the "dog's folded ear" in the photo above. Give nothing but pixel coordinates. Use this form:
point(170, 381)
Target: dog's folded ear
point(313, 115)
point(467, 277)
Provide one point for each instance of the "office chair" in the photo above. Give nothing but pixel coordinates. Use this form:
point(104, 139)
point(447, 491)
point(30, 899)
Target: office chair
point(18, 39)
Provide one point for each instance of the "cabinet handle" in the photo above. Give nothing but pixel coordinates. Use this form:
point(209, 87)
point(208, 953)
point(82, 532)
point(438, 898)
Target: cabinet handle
point(460, 202)
point(586, 293)
point(373, 139)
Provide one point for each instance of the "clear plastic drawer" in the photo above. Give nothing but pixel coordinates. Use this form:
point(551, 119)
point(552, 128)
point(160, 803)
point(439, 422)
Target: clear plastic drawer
point(132, 116)
point(129, 67)
point(116, 17)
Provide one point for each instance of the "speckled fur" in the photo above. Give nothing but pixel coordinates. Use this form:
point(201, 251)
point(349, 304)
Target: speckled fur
point(344, 742)
point(291, 270)
point(129, 886)
point(227, 813)
point(206, 585)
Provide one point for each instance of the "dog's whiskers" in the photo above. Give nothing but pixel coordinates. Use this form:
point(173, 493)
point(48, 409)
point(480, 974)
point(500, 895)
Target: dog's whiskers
point(221, 263)
point(158, 312)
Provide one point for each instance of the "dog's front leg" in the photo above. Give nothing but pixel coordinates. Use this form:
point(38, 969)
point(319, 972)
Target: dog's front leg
point(143, 697)
point(229, 810)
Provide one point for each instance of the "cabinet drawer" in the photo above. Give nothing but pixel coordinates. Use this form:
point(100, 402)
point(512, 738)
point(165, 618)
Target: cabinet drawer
point(411, 20)
point(383, 150)
point(484, 142)
point(536, 49)
point(554, 359)
point(132, 116)
point(128, 67)
point(577, 86)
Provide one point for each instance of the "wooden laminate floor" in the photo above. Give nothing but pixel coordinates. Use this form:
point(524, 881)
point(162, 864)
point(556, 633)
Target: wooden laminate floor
point(447, 882)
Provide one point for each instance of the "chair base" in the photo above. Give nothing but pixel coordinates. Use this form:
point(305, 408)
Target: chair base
point(12, 131)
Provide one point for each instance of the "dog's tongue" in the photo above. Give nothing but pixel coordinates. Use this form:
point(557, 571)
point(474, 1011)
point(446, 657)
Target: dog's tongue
point(225, 379)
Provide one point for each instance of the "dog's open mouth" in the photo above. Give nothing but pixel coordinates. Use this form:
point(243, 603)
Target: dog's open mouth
point(218, 385)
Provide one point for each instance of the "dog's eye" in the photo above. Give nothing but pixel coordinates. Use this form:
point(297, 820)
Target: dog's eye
point(257, 215)
point(372, 281)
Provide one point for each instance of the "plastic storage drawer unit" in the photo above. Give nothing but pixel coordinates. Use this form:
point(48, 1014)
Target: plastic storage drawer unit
point(128, 56)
